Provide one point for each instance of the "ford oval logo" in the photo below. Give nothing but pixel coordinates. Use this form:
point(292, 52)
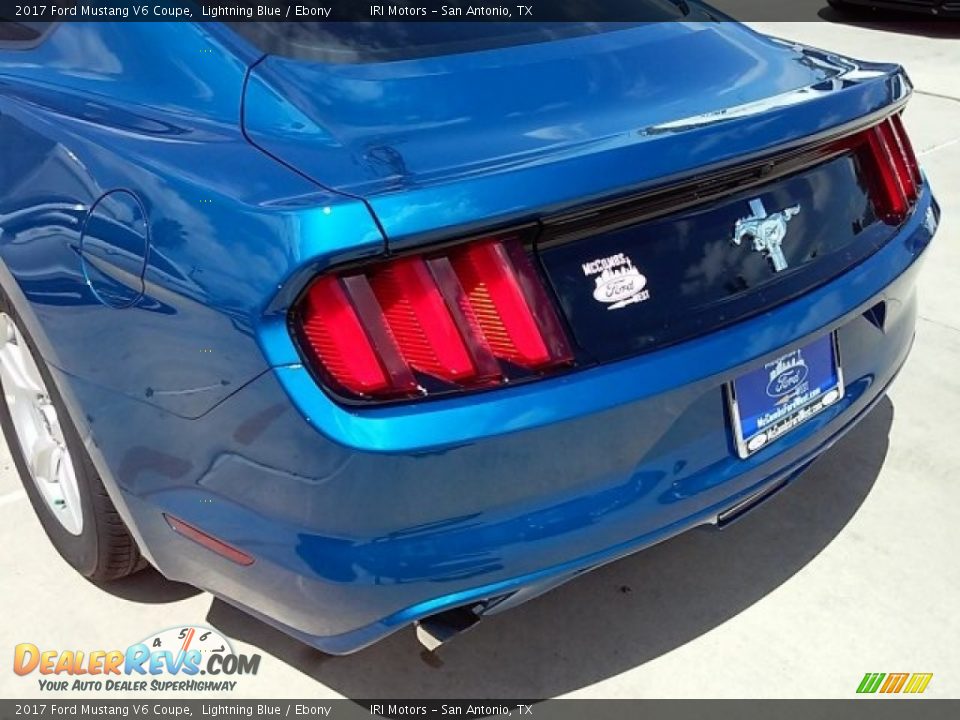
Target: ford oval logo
point(786, 381)
point(618, 282)
point(619, 288)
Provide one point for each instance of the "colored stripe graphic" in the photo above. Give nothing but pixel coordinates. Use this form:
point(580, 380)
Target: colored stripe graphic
point(894, 683)
point(918, 683)
point(870, 682)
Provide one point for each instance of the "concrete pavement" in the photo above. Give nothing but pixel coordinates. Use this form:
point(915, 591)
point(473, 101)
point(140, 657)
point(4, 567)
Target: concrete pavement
point(848, 571)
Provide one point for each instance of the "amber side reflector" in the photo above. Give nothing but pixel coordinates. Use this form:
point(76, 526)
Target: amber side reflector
point(208, 541)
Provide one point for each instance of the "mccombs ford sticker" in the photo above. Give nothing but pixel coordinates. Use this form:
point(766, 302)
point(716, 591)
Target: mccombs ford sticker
point(618, 282)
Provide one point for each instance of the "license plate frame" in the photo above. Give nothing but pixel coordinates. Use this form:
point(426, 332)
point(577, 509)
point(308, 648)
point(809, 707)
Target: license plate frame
point(796, 386)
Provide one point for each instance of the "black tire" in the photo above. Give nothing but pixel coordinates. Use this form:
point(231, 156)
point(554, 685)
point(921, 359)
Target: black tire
point(104, 549)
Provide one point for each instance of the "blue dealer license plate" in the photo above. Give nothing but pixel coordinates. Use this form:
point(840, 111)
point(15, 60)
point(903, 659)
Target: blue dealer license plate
point(772, 400)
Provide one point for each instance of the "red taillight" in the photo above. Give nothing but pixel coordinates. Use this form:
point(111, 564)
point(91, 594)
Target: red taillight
point(473, 316)
point(422, 325)
point(343, 325)
point(888, 190)
point(891, 167)
point(509, 305)
point(912, 167)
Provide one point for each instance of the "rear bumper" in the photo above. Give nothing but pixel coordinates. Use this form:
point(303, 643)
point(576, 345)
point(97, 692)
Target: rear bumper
point(380, 519)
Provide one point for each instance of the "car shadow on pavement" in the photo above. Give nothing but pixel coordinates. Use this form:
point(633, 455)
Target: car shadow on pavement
point(620, 616)
point(150, 587)
point(894, 22)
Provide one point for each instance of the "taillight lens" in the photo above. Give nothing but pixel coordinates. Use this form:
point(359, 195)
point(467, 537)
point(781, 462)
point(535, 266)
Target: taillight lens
point(891, 167)
point(475, 315)
point(911, 168)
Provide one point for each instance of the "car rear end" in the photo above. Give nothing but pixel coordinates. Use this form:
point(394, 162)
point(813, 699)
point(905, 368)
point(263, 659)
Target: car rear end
point(566, 352)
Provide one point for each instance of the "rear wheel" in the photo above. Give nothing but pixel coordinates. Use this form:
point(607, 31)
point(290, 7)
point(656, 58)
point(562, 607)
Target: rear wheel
point(63, 486)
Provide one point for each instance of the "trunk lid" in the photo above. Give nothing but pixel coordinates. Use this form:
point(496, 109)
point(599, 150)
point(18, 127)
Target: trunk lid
point(445, 145)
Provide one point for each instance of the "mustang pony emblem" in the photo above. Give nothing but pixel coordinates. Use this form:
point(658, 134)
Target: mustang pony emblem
point(767, 231)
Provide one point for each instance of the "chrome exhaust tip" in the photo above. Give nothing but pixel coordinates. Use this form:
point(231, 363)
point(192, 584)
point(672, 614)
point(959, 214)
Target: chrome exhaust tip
point(436, 630)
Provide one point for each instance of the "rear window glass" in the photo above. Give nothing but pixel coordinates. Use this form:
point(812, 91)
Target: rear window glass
point(360, 42)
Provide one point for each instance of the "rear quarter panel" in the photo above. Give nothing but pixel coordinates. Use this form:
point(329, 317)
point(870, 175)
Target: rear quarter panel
point(105, 107)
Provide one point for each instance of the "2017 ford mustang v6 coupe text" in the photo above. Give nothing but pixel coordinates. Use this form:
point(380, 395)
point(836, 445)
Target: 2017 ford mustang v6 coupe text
point(365, 326)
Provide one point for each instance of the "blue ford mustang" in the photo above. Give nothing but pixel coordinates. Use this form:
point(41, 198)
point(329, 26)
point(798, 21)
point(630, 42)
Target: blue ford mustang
point(364, 326)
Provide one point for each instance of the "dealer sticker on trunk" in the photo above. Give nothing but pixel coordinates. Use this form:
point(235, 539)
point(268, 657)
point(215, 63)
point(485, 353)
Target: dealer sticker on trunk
point(618, 282)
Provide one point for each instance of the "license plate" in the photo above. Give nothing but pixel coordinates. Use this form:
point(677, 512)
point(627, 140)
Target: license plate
point(774, 399)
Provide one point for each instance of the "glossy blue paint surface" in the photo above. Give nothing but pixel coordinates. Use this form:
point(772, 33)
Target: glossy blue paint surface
point(444, 144)
point(252, 174)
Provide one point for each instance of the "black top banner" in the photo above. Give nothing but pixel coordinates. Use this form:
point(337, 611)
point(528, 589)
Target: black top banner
point(607, 11)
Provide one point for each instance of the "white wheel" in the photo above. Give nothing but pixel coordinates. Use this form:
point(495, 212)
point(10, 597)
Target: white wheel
point(38, 428)
point(64, 487)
